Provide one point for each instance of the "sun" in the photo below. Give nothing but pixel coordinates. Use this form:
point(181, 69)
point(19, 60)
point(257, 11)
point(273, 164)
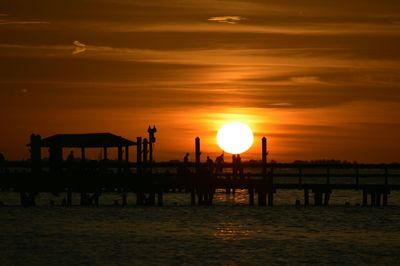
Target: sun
point(235, 137)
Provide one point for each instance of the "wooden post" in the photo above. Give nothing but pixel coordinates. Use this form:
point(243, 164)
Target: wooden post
point(139, 156)
point(151, 152)
point(124, 199)
point(83, 155)
point(271, 198)
point(234, 166)
point(160, 198)
point(385, 199)
point(386, 175)
point(264, 158)
point(378, 199)
point(96, 196)
point(262, 196)
point(127, 154)
point(199, 197)
point(145, 153)
point(300, 176)
point(193, 197)
point(373, 198)
point(198, 153)
point(119, 159)
point(326, 198)
point(126, 159)
point(22, 199)
point(56, 159)
point(365, 198)
point(328, 175)
point(69, 197)
point(105, 153)
point(357, 176)
point(139, 198)
point(317, 198)
point(306, 197)
point(251, 196)
point(83, 199)
point(152, 199)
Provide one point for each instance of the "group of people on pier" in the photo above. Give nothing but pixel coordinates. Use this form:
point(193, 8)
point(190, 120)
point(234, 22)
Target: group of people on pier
point(217, 168)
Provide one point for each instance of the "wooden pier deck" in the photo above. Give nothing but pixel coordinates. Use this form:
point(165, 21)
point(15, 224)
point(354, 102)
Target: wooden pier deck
point(151, 182)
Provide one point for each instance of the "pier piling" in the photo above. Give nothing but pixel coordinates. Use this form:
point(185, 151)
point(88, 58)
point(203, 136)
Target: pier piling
point(251, 196)
point(306, 197)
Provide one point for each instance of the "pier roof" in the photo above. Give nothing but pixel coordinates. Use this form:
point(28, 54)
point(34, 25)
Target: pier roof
point(90, 140)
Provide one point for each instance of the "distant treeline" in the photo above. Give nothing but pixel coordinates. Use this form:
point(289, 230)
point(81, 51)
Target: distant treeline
point(314, 162)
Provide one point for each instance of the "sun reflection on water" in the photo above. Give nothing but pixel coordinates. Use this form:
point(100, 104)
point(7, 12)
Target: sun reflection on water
point(232, 230)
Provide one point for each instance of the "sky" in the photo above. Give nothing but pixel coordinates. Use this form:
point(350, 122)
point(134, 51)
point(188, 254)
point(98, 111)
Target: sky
point(319, 79)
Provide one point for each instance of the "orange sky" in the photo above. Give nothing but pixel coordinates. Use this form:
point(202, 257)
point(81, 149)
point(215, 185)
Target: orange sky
point(320, 80)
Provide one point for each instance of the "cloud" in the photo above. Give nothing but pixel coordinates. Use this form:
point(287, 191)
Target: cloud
point(78, 47)
point(306, 80)
point(22, 22)
point(280, 104)
point(227, 19)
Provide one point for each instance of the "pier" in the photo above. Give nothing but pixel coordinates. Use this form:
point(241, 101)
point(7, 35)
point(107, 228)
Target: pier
point(149, 181)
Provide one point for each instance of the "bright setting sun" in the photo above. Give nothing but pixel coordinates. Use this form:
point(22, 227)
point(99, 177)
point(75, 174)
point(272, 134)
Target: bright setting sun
point(235, 137)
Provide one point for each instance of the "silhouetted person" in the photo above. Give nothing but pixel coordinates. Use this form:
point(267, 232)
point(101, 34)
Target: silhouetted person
point(185, 168)
point(71, 157)
point(70, 160)
point(186, 159)
point(234, 166)
point(210, 165)
point(219, 164)
point(239, 166)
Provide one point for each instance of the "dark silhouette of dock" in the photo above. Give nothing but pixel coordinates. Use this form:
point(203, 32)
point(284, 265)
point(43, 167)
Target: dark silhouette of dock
point(149, 180)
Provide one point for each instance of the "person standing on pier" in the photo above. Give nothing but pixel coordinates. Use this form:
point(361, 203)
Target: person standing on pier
point(220, 164)
point(234, 166)
point(210, 165)
point(71, 157)
point(239, 166)
point(186, 159)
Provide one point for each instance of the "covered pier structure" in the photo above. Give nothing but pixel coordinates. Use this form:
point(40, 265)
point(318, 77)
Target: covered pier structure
point(58, 142)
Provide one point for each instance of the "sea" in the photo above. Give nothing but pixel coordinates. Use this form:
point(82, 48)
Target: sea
point(228, 233)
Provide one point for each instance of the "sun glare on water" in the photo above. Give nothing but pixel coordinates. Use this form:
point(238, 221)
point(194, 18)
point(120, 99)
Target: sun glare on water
point(235, 137)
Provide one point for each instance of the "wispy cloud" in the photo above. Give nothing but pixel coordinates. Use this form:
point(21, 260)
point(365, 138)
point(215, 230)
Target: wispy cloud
point(227, 19)
point(22, 22)
point(306, 80)
point(78, 47)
